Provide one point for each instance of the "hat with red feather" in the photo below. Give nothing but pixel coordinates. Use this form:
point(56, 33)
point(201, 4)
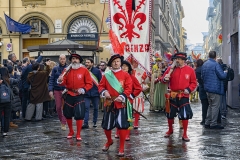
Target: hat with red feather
point(118, 48)
point(195, 57)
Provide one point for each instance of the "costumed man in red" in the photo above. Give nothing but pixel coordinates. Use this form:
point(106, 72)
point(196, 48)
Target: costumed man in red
point(182, 81)
point(116, 87)
point(138, 102)
point(136, 87)
point(77, 80)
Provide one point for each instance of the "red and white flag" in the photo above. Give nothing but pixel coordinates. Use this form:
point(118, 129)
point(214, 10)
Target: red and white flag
point(131, 22)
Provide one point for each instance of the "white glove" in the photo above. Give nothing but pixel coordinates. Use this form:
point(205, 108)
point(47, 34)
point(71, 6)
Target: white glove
point(186, 91)
point(167, 77)
point(81, 91)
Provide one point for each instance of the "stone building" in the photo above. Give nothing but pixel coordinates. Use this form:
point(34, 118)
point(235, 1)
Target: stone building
point(214, 17)
point(55, 20)
point(168, 15)
point(230, 47)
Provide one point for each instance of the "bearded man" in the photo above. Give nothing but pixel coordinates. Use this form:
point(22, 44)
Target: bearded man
point(77, 80)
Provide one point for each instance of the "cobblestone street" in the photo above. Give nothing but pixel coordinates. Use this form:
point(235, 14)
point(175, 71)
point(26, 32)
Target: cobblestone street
point(45, 140)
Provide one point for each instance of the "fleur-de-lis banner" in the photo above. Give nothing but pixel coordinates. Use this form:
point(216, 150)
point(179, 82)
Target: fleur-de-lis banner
point(130, 21)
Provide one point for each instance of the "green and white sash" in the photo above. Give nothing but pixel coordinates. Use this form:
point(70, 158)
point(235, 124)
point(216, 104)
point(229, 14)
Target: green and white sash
point(94, 78)
point(113, 81)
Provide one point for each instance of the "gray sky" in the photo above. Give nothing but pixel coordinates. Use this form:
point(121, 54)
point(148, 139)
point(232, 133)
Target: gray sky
point(195, 19)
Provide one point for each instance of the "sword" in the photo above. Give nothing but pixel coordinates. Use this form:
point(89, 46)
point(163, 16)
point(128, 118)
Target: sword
point(148, 99)
point(139, 113)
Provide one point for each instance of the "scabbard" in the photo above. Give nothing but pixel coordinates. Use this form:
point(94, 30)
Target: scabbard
point(167, 102)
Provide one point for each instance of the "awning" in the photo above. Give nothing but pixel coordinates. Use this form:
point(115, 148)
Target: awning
point(58, 53)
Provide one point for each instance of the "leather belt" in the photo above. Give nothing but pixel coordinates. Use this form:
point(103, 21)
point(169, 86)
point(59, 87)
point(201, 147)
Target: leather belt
point(73, 90)
point(175, 94)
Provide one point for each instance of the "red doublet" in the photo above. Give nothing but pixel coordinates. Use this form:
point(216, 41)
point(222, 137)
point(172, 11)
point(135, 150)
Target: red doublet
point(124, 79)
point(77, 78)
point(181, 79)
point(136, 88)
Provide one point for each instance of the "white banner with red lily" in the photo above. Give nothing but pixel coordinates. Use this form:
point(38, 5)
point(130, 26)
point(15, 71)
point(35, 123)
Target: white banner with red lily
point(133, 26)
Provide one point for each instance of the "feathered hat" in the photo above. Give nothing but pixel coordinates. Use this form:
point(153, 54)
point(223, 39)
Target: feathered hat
point(73, 53)
point(118, 48)
point(168, 56)
point(195, 57)
point(158, 57)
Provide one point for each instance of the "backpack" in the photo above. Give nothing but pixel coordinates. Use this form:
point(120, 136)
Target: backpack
point(230, 74)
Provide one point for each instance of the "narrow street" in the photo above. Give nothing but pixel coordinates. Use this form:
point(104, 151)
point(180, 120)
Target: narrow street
point(45, 140)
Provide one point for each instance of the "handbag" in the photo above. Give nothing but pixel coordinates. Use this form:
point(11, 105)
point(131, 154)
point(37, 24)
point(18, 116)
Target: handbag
point(5, 92)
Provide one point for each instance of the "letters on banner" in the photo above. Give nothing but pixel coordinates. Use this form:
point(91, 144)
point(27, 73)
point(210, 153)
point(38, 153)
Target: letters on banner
point(133, 26)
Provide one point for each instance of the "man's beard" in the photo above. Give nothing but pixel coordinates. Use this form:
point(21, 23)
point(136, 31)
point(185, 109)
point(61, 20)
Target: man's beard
point(178, 64)
point(76, 65)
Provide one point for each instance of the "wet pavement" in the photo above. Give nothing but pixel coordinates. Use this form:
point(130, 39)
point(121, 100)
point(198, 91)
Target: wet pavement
point(45, 140)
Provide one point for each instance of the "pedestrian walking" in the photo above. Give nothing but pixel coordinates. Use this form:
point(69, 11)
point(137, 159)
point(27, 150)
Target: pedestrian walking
point(77, 80)
point(116, 87)
point(136, 90)
point(55, 90)
point(182, 81)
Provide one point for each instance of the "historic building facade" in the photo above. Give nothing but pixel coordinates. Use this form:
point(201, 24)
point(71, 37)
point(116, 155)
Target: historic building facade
point(214, 17)
point(230, 47)
point(55, 20)
point(168, 15)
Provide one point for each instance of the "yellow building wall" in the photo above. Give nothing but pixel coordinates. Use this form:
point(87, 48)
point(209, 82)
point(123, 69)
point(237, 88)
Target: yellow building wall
point(53, 10)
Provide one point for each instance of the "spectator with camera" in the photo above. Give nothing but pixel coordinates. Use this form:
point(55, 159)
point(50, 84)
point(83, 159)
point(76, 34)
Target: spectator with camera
point(27, 68)
point(38, 91)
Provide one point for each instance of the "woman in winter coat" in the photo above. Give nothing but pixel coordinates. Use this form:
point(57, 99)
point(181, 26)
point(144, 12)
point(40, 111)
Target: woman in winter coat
point(16, 102)
point(6, 107)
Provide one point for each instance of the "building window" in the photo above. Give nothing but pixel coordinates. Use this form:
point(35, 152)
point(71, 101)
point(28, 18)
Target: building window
point(163, 5)
point(44, 26)
point(82, 25)
point(236, 7)
point(33, 2)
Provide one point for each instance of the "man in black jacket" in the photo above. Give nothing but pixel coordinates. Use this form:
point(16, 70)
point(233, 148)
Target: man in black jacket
point(92, 95)
point(223, 101)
